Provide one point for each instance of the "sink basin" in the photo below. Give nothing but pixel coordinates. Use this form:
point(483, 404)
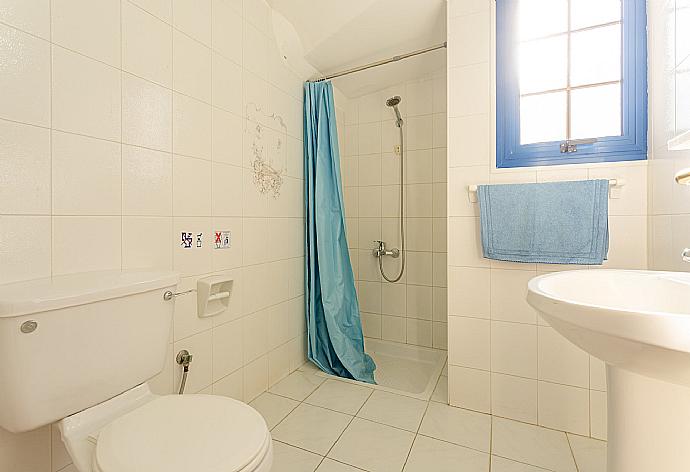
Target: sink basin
point(638, 322)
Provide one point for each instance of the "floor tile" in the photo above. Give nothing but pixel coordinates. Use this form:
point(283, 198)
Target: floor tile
point(312, 428)
point(394, 410)
point(590, 454)
point(373, 447)
point(309, 367)
point(329, 465)
point(340, 396)
point(463, 427)
point(532, 445)
point(273, 407)
point(430, 454)
point(499, 464)
point(291, 459)
point(298, 385)
point(440, 394)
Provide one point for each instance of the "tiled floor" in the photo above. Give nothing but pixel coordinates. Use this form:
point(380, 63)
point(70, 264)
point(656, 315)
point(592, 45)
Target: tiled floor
point(327, 425)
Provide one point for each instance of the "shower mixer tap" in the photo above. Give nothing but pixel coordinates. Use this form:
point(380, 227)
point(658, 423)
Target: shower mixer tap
point(381, 250)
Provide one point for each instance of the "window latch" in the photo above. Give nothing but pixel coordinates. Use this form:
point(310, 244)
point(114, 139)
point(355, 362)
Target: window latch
point(570, 145)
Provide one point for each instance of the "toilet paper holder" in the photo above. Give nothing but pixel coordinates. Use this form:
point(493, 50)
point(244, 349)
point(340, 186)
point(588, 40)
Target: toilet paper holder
point(213, 295)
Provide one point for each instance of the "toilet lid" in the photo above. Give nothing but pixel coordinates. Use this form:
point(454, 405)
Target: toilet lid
point(182, 433)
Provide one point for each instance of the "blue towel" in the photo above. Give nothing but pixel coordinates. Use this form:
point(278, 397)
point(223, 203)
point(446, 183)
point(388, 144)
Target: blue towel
point(551, 223)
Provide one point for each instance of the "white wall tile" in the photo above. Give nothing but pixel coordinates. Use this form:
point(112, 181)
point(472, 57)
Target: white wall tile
point(191, 67)
point(32, 16)
point(146, 114)
point(255, 378)
point(471, 346)
point(25, 80)
point(514, 397)
point(564, 408)
point(560, 361)
point(227, 85)
point(509, 296)
point(146, 45)
point(472, 29)
point(147, 182)
point(419, 332)
point(514, 349)
point(226, 30)
point(227, 345)
point(191, 127)
point(227, 137)
point(87, 175)
point(86, 95)
point(471, 292)
point(159, 8)
point(25, 168)
point(471, 96)
point(146, 243)
point(193, 18)
point(469, 388)
point(91, 28)
point(393, 328)
point(86, 243)
point(191, 186)
point(25, 251)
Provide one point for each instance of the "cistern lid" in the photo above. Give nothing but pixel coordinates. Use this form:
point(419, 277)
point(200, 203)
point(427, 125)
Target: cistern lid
point(183, 433)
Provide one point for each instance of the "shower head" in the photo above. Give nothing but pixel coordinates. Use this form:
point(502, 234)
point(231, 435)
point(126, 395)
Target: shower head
point(394, 102)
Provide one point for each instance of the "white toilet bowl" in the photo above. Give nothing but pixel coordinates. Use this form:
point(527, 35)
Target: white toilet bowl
point(142, 432)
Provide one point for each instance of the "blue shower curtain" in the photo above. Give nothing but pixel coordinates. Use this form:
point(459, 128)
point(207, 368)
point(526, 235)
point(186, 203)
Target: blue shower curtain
point(334, 328)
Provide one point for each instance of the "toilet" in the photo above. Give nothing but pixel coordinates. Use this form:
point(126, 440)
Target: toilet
point(79, 349)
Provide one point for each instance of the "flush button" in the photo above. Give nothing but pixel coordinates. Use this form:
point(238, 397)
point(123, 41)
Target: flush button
point(29, 327)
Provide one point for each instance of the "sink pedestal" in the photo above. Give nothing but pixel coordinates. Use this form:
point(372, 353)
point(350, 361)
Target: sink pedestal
point(648, 423)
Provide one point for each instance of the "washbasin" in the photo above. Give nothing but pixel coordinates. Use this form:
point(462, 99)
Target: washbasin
point(638, 323)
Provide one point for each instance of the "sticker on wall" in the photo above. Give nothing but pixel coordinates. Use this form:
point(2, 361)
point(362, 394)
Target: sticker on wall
point(223, 239)
point(267, 137)
point(187, 240)
point(199, 239)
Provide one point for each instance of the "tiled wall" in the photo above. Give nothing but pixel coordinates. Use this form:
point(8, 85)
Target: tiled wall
point(503, 358)
point(669, 24)
point(413, 310)
point(122, 124)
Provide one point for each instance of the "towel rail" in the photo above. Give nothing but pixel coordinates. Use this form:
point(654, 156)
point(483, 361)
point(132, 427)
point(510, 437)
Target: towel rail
point(614, 189)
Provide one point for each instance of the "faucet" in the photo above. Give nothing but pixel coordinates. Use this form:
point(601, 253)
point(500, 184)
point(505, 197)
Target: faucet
point(686, 255)
point(380, 250)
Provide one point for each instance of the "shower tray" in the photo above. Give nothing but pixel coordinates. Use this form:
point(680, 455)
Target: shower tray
point(403, 368)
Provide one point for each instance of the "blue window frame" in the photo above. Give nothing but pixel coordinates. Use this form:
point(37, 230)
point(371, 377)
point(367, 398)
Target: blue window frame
point(513, 149)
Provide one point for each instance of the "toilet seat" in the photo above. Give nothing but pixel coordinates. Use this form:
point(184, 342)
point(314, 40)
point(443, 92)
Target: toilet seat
point(183, 433)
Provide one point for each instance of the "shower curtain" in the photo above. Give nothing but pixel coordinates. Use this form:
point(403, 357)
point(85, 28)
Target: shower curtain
point(334, 328)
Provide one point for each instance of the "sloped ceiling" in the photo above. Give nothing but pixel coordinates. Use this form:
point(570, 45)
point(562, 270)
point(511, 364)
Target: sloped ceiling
point(340, 34)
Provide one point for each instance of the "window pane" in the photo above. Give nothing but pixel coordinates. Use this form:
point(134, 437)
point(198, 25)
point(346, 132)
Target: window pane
point(542, 17)
point(596, 56)
point(596, 112)
point(586, 13)
point(543, 118)
point(544, 64)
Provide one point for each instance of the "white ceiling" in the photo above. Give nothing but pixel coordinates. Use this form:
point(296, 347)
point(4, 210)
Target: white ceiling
point(340, 34)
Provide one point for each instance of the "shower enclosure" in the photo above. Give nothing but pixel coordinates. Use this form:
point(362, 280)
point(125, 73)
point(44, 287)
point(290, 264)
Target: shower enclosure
point(394, 184)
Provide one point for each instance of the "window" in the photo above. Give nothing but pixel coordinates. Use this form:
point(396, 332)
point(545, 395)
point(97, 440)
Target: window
point(571, 81)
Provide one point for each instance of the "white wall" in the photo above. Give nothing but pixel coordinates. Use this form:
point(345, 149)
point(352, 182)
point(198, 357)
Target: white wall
point(414, 310)
point(503, 358)
point(121, 125)
point(669, 23)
